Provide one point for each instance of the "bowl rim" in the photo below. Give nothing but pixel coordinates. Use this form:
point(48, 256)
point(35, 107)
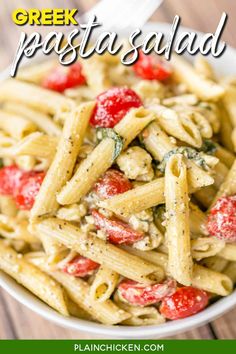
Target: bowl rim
point(167, 329)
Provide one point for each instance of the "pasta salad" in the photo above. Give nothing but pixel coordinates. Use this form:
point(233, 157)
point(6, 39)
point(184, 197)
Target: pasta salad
point(118, 187)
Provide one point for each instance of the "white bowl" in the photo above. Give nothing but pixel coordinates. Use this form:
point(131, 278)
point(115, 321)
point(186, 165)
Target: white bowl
point(223, 66)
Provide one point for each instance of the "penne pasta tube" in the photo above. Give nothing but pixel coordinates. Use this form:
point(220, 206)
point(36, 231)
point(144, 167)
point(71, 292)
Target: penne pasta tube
point(158, 258)
point(102, 157)
point(204, 247)
point(205, 195)
point(215, 263)
point(230, 271)
point(36, 144)
point(96, 75)
point(202, 87)
point(15, 125)
point(185, 99)
point(202, 277)
point(77, 311)
point(8, 206)
point(13, 228)
point(67, 151)
point(229, 100)
point(136, 199)
point(177, 125)
point(6, 144)
point(211, 281)
point(220, 172)
point(197, 220)
point(78, 290)
point(225, 155)
point(146, 196)
point(144, 316)
point(159, 144)
point(140, 316)
point(36, 73)
point(46, 101)
point(200, 122)
point(99, 251)
point(42, 120)
point(226, 129)
point(229, 252)
point(89, 170)
point(203, 67)
point(211, 112)
point(55, 251)
point(228, 187)
point(233, 137)
point(32, 278)
point(104, 284)
point(177, 228)
point(25, 162)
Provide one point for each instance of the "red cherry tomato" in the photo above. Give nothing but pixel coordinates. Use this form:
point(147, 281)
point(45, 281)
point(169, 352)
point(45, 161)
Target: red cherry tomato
point(28, 189)
point(113, 182)
point(118, 232)
point(112, 105)
point(10, 179)
point(80, 266)
point(150, 67)
point(183, 303)
point(143, 295)
point(221, 221)
point(62, 78)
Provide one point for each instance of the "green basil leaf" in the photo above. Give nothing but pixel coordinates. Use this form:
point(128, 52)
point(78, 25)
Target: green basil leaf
point(208, 146)
point(186, 151)
point(103, 133)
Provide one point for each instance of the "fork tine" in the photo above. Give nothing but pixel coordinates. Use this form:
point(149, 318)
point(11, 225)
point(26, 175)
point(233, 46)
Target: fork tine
point(121, 14)
point(144, 12)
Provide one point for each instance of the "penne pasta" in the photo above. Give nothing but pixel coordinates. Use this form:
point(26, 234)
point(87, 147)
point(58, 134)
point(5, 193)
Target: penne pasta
point(225, 155)
point(228, 187)
point(202, 87)
point(215, 263)
point(15, 125)
point(67, 151)
point(102, 156)
point(104, 284)
point(197, 220)
point(8, 206)
point(136, 199)
point(110, 187)
point(37, 145)
point(229, 252)
point(230, 271)
point(203, 67)
point(177, 125)
point(17, 229)
point(78, 290)
point(158, 144)
point(204, 247)
point(36, 73)
point(140, 316)
point(96, 74)
point(35, 97)
point(41, 120)
point(177, 228)
point(202, 277)
point(99, 251)
point(33, 279)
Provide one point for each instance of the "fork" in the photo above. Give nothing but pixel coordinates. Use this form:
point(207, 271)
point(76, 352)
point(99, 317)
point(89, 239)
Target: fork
point(123, 14)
